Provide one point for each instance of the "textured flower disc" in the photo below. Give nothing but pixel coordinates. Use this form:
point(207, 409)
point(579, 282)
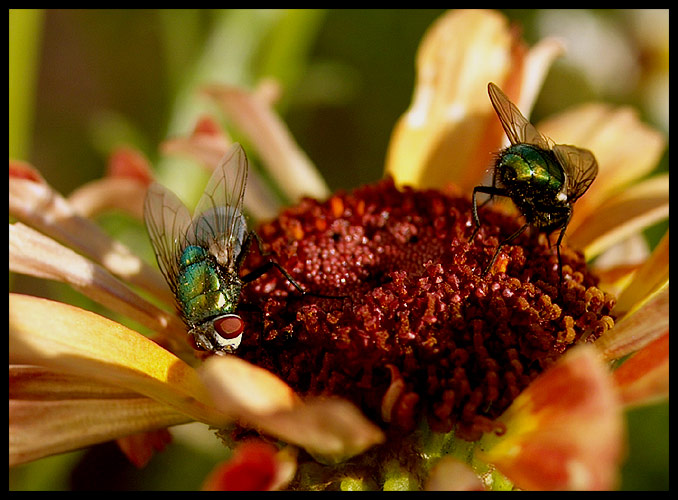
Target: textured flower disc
point(420, 332)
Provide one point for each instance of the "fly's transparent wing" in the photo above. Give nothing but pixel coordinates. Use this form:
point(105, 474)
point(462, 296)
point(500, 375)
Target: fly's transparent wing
point(218, 222)
point(167, 220)
point(518, 129)
point(580, 168)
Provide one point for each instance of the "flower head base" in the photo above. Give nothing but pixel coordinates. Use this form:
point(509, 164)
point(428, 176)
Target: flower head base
point(421, 333)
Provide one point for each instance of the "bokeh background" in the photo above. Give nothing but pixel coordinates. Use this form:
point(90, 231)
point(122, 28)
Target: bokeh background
point(83, 82)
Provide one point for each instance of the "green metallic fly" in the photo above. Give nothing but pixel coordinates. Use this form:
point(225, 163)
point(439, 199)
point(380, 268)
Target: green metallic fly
point(542, 179)
point(200, 256)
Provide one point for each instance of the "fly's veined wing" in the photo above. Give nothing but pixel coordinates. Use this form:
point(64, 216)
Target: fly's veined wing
point(580, 168)
point(518, 129)
point(167, 220)
point(218, 222)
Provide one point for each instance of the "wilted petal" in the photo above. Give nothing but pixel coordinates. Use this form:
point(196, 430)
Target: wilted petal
point(51, 412)
point(32, 253)
point(289, 166)
point(332, 429)
point(644, 377)
point(565, 431)
point(39, 206)
point(626, 149)
point(450, 130)
point(68, 339)
point(653, 274)
point(449, 474)
point(139, 448)
point(622, 215)
point(255, 466)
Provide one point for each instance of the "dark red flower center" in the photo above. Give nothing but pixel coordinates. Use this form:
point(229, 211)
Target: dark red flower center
point(421, 333)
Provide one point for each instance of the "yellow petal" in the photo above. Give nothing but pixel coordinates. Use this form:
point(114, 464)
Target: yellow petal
point(622, 215)
point(330, 429)
point(565, 431)
point(66, 338)
point(41, 428)
point(626, 149)
point(291, 169)
point(32, 253)
point(653, 274)
point(645, 322)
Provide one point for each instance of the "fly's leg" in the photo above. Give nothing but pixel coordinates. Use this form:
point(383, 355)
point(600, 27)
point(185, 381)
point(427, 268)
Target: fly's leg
point(560, 239)
point(271, 263)
point(507, 240)
point(492, 191)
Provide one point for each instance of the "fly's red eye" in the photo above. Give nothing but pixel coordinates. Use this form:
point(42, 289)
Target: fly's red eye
point(229, 326)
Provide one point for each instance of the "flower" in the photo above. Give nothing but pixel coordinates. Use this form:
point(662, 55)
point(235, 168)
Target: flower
point(557, 421)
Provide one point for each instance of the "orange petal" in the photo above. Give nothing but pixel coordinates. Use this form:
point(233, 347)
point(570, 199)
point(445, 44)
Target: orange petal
point(32, 253)
point(331, 428)
point(289, 166)
point(622, 215)
point(641, 325)
point(39, 206)
point(644, 377)
point(565, 431)
point(65, 338)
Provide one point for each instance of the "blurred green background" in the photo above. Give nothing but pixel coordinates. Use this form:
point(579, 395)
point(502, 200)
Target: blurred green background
point(83, 82)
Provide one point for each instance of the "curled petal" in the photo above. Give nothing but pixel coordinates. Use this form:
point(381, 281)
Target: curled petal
point(641, 325)
point(78, 342)
point(622, 215)
point(565, 431)
point(32, 253)
point(288, 165)
point(332, 429)
point(108, 194)
point(37, 205)
point(644, 377)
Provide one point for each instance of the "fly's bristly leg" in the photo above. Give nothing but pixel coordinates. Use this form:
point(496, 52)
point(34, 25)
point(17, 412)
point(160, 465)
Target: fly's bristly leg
point(492, 191)
point(506, 241)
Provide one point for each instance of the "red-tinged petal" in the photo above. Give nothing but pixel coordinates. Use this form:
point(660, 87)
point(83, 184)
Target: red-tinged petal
point(68, 339)
point(139, 448)
point(644, 377)
point(565, 431)
point(110, 193)
point(449, 474)
point(252, 468)
point(206, 125)
point(22, 170)
point(637, 328)
point(129, 163)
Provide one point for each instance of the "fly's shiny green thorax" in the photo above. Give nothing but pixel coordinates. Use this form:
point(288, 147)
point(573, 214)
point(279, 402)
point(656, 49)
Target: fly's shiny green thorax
point(529, 167)
point(203, 291)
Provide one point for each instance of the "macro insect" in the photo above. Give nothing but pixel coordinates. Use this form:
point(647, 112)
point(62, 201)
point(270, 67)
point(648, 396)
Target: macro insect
point(542, 179)
point(200, 256)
